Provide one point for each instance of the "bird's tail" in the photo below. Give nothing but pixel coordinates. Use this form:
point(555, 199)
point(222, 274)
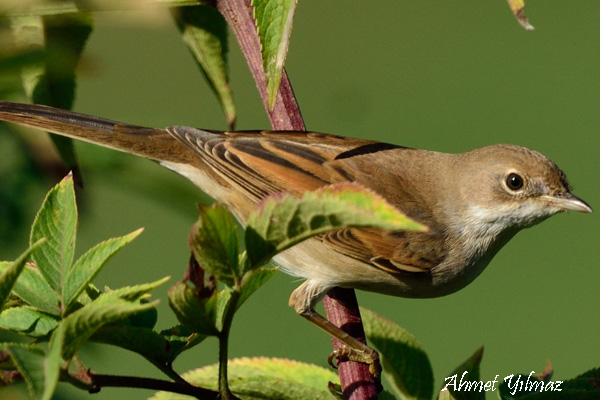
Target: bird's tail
point(155, 144)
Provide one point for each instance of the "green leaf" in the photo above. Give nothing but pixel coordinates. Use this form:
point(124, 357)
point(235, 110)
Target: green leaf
point(90, 264)
point(588, 381)
point(264, 378)
point(214, 242)
point(467, 371)
point(53, 361)
point(143, 341)
point(8, 276)
point(30, 362)
point(405, 363)
point(204, 31)
point(283, 220)
point(34, 290)
point(27, 321)
point(132, 293)
point(108, 308)
point(252, 281)
point(274, 20)
point(201, 315)
point(181, 338)
point(159, 348)
point(57, 222)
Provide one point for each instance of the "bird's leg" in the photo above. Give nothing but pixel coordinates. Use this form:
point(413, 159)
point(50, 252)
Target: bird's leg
point(302, 299)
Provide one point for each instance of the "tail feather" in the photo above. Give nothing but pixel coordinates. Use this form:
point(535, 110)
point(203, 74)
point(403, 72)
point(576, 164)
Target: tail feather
point(155, 144)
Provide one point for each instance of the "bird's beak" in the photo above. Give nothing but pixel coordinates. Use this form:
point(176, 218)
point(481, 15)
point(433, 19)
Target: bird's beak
point(567, 201)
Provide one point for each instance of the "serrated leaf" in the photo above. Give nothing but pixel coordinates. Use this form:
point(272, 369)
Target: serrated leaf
point(406, 365)
point(264, 378)
point(214, 242)
point(204, 31)
point(467, 371)
point(146, 342)
point(145, 319)
point(89, 265)
point(33, 289)
point(518, 9)
point(252, 281)
point(159, 348)
point(57, 222)
point(274, 20)
point(283, 220)
point(202, 315)
point(83, 323)
point(30, 362)
point(181, 338)
point(106, 309)
point(132, 293)
point(27, 321)
point(9, 276)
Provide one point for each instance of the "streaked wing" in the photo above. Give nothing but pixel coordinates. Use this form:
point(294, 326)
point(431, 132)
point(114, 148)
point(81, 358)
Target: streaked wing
point(393, 252)
point(262, 163)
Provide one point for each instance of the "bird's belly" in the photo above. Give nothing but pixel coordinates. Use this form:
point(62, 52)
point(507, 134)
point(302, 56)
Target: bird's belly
point(315, 261)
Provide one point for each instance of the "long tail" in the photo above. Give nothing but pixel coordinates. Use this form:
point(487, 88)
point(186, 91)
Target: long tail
point(155, 144)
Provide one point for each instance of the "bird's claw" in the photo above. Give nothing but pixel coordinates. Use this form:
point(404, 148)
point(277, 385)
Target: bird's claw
point(347, 354)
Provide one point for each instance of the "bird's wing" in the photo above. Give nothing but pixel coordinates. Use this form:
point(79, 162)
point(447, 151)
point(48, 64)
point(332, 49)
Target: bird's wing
point(262, 163)
point(397, 252)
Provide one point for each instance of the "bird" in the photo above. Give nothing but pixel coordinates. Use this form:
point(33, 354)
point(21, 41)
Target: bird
point(472, 203)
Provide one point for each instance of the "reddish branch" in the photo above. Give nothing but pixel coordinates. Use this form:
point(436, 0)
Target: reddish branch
point(341, 306)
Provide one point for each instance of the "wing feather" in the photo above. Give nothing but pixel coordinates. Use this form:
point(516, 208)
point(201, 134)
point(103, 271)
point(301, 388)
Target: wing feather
point(262, 163)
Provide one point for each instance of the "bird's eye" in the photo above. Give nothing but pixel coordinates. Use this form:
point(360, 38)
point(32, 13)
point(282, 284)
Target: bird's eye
point(514, 181)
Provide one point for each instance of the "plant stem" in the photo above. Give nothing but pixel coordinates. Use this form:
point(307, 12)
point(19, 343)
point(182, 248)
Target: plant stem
point(224, 346)
point(286, 115)
point(99, 381)
point(342, 310)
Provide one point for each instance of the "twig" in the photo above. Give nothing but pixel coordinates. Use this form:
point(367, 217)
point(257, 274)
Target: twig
point(99, 381)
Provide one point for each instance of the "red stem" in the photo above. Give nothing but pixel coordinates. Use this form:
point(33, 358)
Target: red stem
point(342, 310)
point(286, 113)
point(341, 306)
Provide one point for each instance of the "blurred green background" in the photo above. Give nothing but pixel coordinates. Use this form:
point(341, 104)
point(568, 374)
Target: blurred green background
point(447, 76)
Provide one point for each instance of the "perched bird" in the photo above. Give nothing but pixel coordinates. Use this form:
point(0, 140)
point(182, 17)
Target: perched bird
point(473, 203)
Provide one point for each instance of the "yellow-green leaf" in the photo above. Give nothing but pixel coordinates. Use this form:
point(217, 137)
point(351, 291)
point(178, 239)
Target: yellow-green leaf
point(405, 364)
point(283, 220)
point(57, 222)
point(274, 20)
point(264, 378)
point(8, 276)
point(204, 31)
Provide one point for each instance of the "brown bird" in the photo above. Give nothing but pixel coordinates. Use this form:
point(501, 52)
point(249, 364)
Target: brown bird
point(473, 203)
